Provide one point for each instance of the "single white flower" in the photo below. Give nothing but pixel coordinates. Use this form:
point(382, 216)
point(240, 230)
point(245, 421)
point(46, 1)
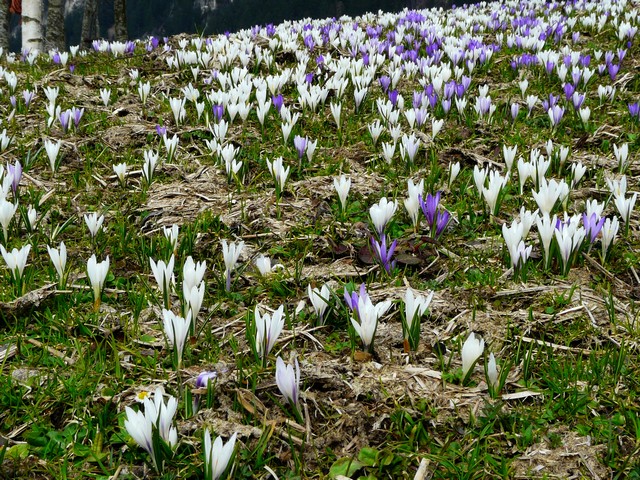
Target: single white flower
point(93, 222)
point(320, 300)
point(217, 455)
point(288, 381)
point(268, 328)
point(471, 351)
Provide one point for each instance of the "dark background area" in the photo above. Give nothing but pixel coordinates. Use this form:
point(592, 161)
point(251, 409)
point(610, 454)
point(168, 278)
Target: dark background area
point(169, 17)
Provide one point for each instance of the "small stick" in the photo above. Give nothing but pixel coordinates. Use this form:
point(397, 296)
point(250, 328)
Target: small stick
point(52, 351)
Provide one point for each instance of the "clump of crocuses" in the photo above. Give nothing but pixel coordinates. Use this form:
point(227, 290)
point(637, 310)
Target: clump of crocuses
point(437, 218)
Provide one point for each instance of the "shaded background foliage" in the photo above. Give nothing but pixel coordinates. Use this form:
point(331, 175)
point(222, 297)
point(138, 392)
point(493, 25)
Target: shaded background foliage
point(170, 17)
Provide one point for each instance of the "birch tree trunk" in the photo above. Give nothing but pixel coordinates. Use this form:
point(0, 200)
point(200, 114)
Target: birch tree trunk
point(32, 25)
point(120, 20)
point(55, 25)
point(4, 25)
point(89, 21)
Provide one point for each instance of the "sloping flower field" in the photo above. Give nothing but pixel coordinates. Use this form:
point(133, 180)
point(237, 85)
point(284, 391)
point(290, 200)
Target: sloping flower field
point(395, 246)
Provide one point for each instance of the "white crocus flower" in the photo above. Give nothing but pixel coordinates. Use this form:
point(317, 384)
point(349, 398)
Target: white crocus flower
point(471, 351)
point(120, 170)
point(7, 211)
point(415, 305)
point(279, 173)
point(192, 273)
point(176, 329)
point(53, 150)
point(342, 185)
point(609, 232)
point(163, 274)
point(171, 234)
point(381, 213)
point(140, 429)
point(59, 259)
point(268, 328)
point(492, 371)
point(217, 455)
point(368, 316)
point(93, 222)
point(454, 170)
point(16, 260)
point(105, 95)
point(546, 228)
point(231, 253)
point(193, 299)
point(288, 381)
point(97, 274)
point(320, 300)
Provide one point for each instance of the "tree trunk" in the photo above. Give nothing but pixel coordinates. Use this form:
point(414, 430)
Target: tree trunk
point(55, 25)
point(4, 25)
point(89, 22)
point(120, 19)
point(32, 26)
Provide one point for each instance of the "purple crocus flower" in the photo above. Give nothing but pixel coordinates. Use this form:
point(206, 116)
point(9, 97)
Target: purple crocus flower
point(592, 225)
point(382, 254)
point(430, 207)
point(613, 69)
point(56, 58)
point(301, 145)
point(16, 172)
point(385, 82)
point(278, 101)
point(568, 90)
point(309, 78)
point(12, 99)
point(555, 114)
point(515, 109)
point(393, 97)
point(442, 221)
point(161, 130)
point(203, 379)
point(351, 299)
point(77, 114)
point(64, 119)
point(218, 111)
point(634, 110)
point(577, 99)
point(72, 67)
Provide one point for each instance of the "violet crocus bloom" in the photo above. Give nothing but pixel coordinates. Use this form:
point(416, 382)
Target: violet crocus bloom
point(385, 82)
point(309, 78)
point(634, 110)
point(64, 119)
point(28, 96)
point(204, 378)
point(592, 225)
point(218, 111)
point(393, 97)
point(77, 114)
point(301, 145)
point(16, 172)
point(613, 69)
point(12, 99)
point(430, 207)
point(351, 299)
point(442, 220)
point(568, 90)
point(161, 130)
point(555, 114)
point(515, 109)
point(278, 101)
point(382, 254)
